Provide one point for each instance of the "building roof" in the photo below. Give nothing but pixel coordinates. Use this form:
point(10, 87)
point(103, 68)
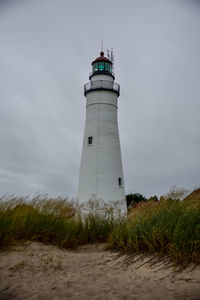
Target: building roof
point(101, 58)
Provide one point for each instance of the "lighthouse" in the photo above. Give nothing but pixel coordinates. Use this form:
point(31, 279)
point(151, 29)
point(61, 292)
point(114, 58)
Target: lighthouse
point(101, 172)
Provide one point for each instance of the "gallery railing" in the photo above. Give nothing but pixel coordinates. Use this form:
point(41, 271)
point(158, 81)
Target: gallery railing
point(101, 85)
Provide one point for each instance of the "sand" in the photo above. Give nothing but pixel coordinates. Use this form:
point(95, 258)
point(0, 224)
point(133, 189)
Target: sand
point(37, 271)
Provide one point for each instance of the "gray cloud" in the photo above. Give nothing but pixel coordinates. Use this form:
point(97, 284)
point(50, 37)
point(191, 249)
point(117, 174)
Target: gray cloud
point(45, 55)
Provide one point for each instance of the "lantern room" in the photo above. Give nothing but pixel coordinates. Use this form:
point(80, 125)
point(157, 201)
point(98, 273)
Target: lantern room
point(102, 65)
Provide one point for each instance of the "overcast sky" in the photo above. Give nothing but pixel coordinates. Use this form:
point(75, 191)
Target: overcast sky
point(46, 50)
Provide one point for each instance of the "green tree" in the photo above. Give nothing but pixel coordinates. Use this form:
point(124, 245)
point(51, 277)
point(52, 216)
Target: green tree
point(132, 199)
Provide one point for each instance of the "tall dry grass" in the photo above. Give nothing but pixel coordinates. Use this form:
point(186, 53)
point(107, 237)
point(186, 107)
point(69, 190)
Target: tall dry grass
point(53, 221)
point(169, 226)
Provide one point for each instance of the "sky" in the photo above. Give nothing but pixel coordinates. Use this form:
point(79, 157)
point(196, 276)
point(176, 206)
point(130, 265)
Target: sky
point(46, 50)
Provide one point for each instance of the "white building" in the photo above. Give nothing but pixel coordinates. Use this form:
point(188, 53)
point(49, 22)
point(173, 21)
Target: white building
point(101, 172)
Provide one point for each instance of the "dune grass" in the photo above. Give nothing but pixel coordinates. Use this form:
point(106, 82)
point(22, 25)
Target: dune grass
point(169, 227)
point(50, 221)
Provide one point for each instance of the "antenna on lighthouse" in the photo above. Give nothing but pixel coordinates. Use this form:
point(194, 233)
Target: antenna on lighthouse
point(112, 55)
point(108, 54)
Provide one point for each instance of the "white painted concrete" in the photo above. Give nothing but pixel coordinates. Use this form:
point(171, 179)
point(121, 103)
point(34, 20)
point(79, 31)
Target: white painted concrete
point(101, 163)
point(101, 77)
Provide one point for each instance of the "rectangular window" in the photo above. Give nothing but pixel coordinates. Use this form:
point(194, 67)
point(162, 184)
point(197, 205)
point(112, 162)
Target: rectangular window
point(107, 67)
point(90, 140)
point(120, 181)
point(101, 66)
point(95, 67)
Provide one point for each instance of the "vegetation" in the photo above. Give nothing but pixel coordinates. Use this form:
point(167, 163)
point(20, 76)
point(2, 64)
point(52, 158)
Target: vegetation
point(132, 199)
point(53, 221)
point(169, 226)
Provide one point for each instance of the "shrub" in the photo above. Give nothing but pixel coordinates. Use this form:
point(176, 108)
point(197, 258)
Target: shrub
point(132, 199)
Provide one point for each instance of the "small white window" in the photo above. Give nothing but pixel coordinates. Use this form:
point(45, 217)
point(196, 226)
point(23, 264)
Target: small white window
point(90, 140)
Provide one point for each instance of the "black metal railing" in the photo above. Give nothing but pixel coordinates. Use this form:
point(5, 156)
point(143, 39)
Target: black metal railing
point(101, 85)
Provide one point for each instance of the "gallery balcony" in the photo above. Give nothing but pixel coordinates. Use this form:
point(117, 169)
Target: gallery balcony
point(101, 85)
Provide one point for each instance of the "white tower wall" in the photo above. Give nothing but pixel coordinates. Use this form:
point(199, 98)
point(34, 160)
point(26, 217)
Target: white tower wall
point(101, 164)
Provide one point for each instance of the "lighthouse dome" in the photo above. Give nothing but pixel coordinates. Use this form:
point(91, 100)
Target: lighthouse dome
point(102, 58)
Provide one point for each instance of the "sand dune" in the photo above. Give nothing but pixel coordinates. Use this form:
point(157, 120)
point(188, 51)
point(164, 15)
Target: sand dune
point(37, 271)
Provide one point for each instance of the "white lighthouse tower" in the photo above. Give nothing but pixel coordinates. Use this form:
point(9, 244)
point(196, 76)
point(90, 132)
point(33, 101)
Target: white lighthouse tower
point(101, 172)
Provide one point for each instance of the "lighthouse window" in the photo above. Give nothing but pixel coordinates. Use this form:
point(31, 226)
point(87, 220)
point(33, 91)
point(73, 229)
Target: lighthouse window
point(120, 181)
point(90, 138)
point(101, 66)
point(95, 67)
point(107, 67)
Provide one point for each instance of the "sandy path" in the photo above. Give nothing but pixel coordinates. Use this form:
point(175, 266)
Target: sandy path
point(37, 271)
